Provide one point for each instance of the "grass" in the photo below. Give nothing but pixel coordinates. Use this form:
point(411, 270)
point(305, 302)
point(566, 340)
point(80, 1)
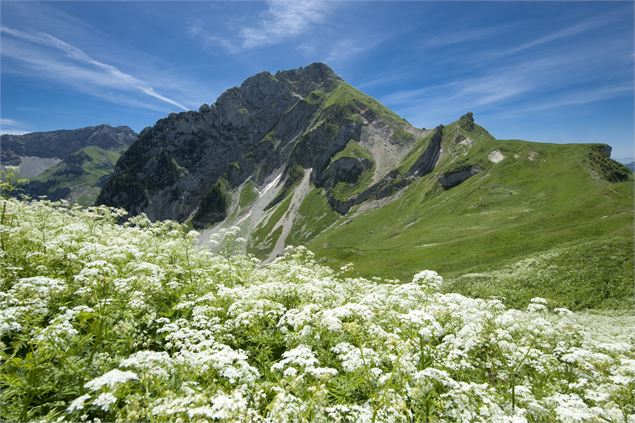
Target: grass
point(343, 190)
point(513, 210)
point(248, 195)
point(353, 149)
point(345, 96)
point(314, 216)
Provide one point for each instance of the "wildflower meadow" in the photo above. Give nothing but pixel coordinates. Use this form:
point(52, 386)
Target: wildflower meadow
point(101, 321)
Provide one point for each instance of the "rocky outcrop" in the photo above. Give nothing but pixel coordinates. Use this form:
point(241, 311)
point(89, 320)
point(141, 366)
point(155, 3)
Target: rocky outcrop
point(346, 169)
point(601, 164)
point(250, 131)
point(455, 177)
point(282, 123)
point(426, 162)
point(467, 121)
point(394, 181)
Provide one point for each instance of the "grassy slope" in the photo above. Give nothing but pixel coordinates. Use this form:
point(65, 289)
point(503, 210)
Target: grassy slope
point(522, 228)
point(515, 209)
point(84, 188)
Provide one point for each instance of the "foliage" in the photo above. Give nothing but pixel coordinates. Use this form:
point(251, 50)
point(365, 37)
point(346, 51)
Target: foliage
point(130, 322)
point(248, 195)
point(9, 180)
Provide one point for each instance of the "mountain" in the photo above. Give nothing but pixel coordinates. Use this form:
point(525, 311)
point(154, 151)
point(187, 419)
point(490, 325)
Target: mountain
point(629, 162)
point(69, 164)
point(302, 157)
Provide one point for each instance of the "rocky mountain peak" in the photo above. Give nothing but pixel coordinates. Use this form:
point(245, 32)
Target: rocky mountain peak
point(467, 121)
point(270, 123)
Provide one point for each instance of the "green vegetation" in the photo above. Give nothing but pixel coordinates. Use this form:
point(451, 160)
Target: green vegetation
point(213, 206)
point(344, 191)
point(314, 217)
point(316, 97)
point(248, 195)
point(609, 169)
point(510, 212)
point(353, 149)
point(345, 96)
point(79, 177)
point(134, 323)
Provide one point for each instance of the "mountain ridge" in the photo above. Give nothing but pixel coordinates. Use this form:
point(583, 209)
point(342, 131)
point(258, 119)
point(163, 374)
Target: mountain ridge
point(302, 157)
point(66, 164)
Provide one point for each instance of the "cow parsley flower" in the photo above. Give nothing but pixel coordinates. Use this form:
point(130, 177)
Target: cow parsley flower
point(429, 279)
point(78, 403)
point(111, 379)
point(105, 400)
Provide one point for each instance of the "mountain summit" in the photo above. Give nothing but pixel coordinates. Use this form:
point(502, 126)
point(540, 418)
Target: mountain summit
point(302, 157)
point(281, 124)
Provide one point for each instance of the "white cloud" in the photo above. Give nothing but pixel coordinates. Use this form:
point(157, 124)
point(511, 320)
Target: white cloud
point(284, 19)
point(7, 122)
point(11, 127)
point(62, 61)
point(13, 132)
point(539, 79)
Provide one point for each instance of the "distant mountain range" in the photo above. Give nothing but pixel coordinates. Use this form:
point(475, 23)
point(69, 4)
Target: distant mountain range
point(302, 157)
point(66, 164)
point(629, 162)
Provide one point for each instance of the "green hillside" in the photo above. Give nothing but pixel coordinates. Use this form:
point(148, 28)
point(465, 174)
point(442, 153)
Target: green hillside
point(79, 176)
point(547, 220)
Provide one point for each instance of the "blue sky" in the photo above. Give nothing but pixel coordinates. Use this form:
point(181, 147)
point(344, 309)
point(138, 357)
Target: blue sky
point(542, 71)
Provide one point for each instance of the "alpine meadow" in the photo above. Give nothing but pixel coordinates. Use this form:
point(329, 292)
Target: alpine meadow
point(352, 232)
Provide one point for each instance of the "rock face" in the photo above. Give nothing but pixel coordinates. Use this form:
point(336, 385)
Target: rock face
point(247, 132)
point(60, 144)
point(271, 123)
point(451, 179)
point(192, 166)
point(346, 169)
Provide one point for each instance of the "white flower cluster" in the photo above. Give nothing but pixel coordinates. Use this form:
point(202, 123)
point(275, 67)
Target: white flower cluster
point(100, 321)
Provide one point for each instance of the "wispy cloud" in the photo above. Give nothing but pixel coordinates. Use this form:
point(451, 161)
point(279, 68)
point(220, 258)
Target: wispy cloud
point(60, 60)
point(544, 77)
point(464, 35)
point(283, 20)
point(11, 127)
point(569, 31)
point(577, 98)
point(7, 122)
